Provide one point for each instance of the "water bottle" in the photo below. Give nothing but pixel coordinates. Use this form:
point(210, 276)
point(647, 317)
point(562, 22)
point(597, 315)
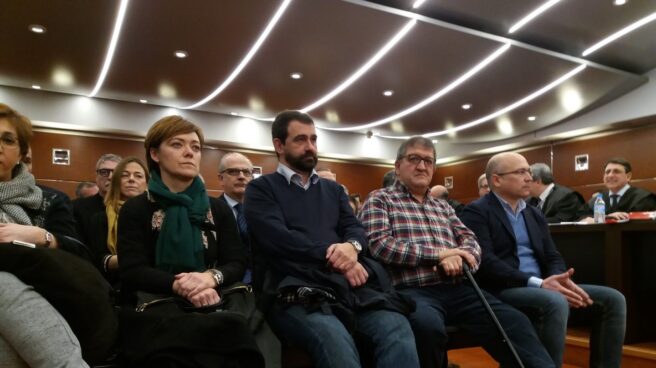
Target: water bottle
point(599, 210)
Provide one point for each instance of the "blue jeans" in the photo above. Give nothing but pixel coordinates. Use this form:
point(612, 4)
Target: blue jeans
point(459, 305)
point(551, 311)
point(331, 345)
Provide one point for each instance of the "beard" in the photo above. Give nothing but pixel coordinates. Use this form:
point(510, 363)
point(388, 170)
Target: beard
point(304, 163)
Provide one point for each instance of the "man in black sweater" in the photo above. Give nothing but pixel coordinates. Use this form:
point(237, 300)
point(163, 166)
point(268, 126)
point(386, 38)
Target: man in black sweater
point(311, 264)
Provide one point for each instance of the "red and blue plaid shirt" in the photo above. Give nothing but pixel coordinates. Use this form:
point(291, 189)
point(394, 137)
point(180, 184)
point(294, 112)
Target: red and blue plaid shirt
point(407, 236)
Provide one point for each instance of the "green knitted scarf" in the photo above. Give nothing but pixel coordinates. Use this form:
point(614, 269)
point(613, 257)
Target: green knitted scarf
point(179, 245)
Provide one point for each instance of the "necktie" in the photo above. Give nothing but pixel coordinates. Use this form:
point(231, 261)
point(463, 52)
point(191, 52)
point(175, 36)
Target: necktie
point(243, 233)
point(613, 201)
point(241, 220)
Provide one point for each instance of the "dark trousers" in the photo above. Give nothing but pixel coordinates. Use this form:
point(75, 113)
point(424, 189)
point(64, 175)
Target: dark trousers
point(460, 306)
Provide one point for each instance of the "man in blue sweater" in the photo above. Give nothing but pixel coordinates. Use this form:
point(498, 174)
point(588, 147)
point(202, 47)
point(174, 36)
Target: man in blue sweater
point(319, 289)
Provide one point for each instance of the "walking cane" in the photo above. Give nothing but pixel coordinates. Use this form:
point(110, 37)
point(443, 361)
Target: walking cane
point(506, 340)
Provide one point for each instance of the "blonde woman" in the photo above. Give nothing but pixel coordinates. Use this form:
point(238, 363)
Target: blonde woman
point(130, 179)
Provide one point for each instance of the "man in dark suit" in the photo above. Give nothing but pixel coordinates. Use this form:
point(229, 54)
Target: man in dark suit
point(235, 172)
point(558, 203)
point(440, 192)
point(522, 267)
point(620, 197)
point(85, 208)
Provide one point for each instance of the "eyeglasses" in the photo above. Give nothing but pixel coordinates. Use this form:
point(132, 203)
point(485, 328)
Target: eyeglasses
point(235, 172)
point(8, 141)
point(416, 159)
point(520, 172)
point(105, 173)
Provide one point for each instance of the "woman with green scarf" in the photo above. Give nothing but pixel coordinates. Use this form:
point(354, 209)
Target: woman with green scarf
point(174, 240)
point(130, 180)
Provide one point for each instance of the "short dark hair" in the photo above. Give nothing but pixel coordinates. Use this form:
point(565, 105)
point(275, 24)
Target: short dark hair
point(83, 185)
point(412, 142)
point(164, 129)
point(619, 161)
point(281, 123)
point(542, 171)
point(388, 178)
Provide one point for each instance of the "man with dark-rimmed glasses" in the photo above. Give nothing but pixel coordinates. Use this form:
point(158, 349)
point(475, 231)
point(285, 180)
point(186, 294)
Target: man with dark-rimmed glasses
point(424, 246)
point(85, 208)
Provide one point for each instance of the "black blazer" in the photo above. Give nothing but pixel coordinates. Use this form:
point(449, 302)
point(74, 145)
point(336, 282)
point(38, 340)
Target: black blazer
point(562, 204)
point(500, 264)
point(634, 199)
point(83, 211)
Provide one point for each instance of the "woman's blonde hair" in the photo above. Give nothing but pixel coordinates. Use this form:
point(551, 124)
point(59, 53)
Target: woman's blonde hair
point(114, 193)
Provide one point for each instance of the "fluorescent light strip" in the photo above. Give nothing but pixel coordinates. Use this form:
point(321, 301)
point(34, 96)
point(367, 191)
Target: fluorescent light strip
point(460, 80)
point(539, 10)
point(619, 34)
point(506, 109)
point(247, 58)
point(364, 68)
point(417, 4)
point(112, 47)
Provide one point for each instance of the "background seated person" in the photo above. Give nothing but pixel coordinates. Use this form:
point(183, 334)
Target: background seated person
point(522, 267)
point(440, 192)
point(130, 180)
point(620, 197)
point(557, 203)
point(174, 240)
point(29, 330)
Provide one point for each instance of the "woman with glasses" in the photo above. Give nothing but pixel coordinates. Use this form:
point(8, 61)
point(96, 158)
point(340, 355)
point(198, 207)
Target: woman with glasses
point(36, 275)
point(130, 180)
point(177, 244)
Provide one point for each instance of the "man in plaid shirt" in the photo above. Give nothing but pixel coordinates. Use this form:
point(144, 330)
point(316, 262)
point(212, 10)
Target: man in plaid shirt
point(423, 245)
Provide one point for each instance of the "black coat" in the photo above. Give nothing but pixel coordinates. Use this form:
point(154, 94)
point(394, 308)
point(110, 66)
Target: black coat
point(561, 205)
point(500, 264)
point(634, 199)
point(83, 211)
point(137, 239)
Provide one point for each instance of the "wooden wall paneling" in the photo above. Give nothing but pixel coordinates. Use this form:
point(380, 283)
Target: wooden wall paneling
point(85, 151)
point(637, 145)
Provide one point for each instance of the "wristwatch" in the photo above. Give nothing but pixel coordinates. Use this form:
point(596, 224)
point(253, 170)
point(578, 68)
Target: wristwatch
point(356, 244)
point(216, 275)
point(48, 239)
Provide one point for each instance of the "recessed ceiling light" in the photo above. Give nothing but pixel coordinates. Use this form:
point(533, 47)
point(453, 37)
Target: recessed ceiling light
point(630, 28)
point(233, 113)
point(417, 4)
point(619, 2)
point(36, 86)
point(466, 106)
point(296, 75)
point(388, 93)
point(434, 141)
point(37, 28)
point(531, 118)
point(143, 101)
point(181, 54)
